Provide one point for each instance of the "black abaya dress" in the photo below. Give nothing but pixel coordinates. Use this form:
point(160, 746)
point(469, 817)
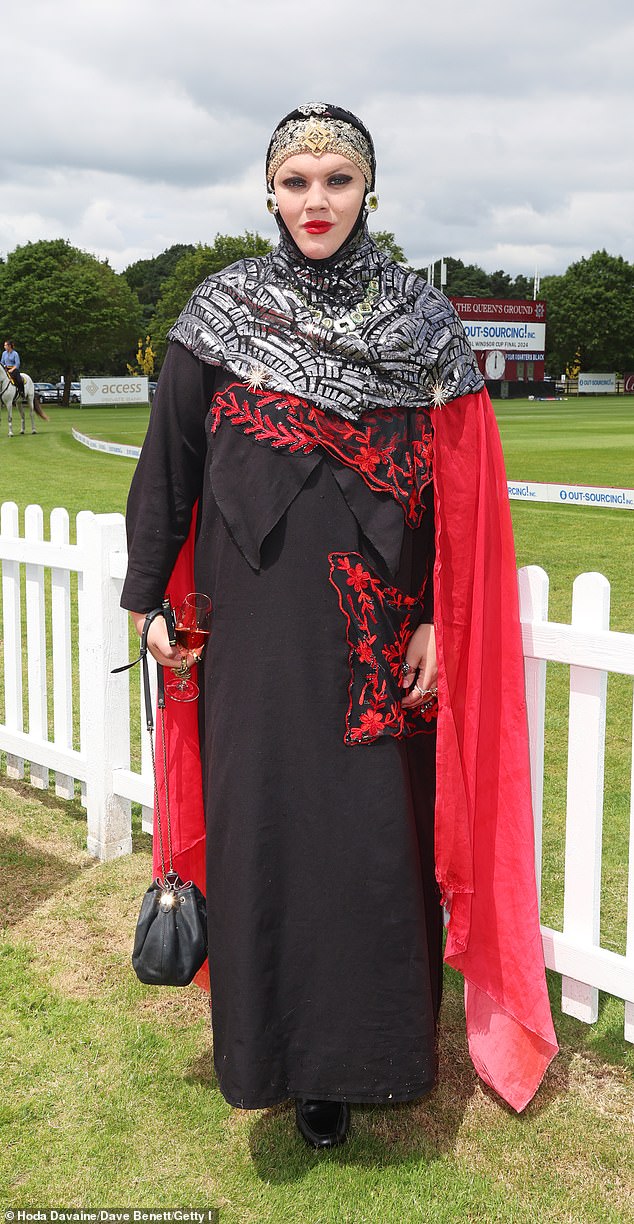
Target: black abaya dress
point(324, 916)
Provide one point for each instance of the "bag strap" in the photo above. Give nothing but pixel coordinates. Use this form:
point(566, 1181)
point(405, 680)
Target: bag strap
point(149, 722)
point(166, 612)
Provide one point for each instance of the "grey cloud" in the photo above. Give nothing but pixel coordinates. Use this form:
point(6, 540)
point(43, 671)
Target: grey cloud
point(503, 133)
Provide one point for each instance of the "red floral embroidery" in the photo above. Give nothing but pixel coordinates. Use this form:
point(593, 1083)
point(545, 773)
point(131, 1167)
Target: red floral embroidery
point(364, 649)
point(368, 458)
point(379, 622)
point(392, 451)
point(371, 723)
point(358, 578)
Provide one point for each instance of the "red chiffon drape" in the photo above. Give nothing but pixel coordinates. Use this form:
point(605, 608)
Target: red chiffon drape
point(484, 821)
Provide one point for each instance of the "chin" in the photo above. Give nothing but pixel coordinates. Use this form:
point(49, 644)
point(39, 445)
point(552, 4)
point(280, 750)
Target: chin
point(318, 246)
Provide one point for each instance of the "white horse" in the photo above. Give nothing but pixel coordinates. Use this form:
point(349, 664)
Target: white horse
point(9, 396)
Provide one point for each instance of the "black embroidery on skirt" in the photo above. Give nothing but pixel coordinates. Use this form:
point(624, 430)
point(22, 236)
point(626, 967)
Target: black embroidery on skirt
point(380, 620)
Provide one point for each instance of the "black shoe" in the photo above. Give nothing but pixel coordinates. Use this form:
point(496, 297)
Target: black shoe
point(323, 1124)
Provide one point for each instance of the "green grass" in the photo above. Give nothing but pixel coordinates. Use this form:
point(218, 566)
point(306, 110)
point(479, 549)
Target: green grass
point(108, 1093)
point(582, 443)
point(52, 469)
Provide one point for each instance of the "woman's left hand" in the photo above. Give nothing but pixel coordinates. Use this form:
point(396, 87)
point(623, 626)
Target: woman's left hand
point(420, 657)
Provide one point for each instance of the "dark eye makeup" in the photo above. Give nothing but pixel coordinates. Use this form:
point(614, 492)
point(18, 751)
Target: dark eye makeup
point(296, 182)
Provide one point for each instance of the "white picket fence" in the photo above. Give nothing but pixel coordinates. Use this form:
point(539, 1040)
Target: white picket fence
point(91, 708)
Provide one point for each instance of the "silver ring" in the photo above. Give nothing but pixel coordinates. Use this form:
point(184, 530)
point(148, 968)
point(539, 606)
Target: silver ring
point(406, 667)
point(419, 690)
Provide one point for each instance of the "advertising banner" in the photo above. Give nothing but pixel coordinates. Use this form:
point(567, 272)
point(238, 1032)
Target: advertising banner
point(628, 383)
point(597, 384)
point(572, 495)
point(510, 337)
point(513, 309)
point(125, 389)
point(107, 448)
point(512, 325)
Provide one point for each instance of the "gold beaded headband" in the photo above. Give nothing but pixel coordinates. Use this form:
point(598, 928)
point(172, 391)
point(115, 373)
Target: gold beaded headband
point(319, 135)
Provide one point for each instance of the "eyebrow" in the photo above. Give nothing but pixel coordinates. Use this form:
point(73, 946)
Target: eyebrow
point(344, 168)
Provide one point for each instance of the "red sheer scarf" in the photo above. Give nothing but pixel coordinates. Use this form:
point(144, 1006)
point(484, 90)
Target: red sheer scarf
point(484, 820)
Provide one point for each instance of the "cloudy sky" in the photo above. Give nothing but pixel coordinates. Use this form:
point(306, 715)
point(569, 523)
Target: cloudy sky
point(504, 130)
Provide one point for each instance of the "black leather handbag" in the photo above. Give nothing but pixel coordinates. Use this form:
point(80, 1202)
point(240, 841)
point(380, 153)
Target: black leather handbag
point(170, 942)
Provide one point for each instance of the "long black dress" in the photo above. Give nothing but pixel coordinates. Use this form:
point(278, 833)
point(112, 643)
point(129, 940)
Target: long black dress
point(324, 918)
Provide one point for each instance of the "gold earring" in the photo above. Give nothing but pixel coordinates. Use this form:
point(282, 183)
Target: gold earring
point(271, 202)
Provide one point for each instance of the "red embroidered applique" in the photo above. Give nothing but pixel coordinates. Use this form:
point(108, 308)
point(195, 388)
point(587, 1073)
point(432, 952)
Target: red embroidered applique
point(392, 451)
point(379, 622)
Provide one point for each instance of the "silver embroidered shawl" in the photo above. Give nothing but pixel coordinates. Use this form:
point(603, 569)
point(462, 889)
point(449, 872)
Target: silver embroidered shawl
point(350, 334)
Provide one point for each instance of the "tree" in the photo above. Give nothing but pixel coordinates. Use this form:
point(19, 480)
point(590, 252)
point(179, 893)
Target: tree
point(466, 280)
point(469, 280)
point(504, 286)
point(146, 277)
point(387, 242)
point(67, 311)
point(190, 270)
point(590, 315)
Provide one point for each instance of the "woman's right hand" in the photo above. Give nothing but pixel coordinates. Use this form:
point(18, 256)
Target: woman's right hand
point(158, 642)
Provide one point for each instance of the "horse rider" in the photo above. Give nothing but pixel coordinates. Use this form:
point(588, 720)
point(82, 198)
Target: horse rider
point(11, 361)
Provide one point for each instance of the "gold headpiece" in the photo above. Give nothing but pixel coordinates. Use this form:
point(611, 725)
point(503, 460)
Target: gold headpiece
point(319, 135)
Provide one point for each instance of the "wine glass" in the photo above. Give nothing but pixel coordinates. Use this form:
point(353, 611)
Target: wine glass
point(192, 624)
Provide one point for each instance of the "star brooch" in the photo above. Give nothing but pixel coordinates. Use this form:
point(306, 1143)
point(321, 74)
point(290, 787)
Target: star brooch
point(258, 377)
point(439, 394)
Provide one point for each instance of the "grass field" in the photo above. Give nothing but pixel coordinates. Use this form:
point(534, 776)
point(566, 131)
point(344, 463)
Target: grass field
point(108, 1093)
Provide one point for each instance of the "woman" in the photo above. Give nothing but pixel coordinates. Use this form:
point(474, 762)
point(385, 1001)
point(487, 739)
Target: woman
point(294, 408)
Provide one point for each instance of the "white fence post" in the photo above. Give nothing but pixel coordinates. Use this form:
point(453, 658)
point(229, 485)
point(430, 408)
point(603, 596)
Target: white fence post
point(12, 633)
point(533, 592)
point(62, 653)
point(584, 806)
point(104, 698)
point(629, 946)
point(36, 644)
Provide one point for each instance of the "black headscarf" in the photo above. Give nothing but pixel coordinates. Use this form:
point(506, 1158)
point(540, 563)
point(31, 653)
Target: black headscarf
point(328, 111)
point(351, 333)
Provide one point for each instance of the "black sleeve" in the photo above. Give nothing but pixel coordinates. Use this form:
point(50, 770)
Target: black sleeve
point(168, 478)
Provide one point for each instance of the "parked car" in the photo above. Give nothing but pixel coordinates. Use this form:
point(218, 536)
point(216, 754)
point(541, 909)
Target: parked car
point(47, 392)
point(75, 392)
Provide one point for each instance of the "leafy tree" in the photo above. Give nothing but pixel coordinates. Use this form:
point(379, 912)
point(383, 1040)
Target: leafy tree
point(387, 242)
point(504, 286)
point(469, 280)
point(191, 269)
point(590, 316)
point(466, 280)
point(146, 277)
point(66, 311)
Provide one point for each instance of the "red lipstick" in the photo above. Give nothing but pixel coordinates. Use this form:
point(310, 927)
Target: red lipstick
point(318, 227)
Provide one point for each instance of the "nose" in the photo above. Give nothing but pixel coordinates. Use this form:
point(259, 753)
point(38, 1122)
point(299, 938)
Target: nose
point(316, 196)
